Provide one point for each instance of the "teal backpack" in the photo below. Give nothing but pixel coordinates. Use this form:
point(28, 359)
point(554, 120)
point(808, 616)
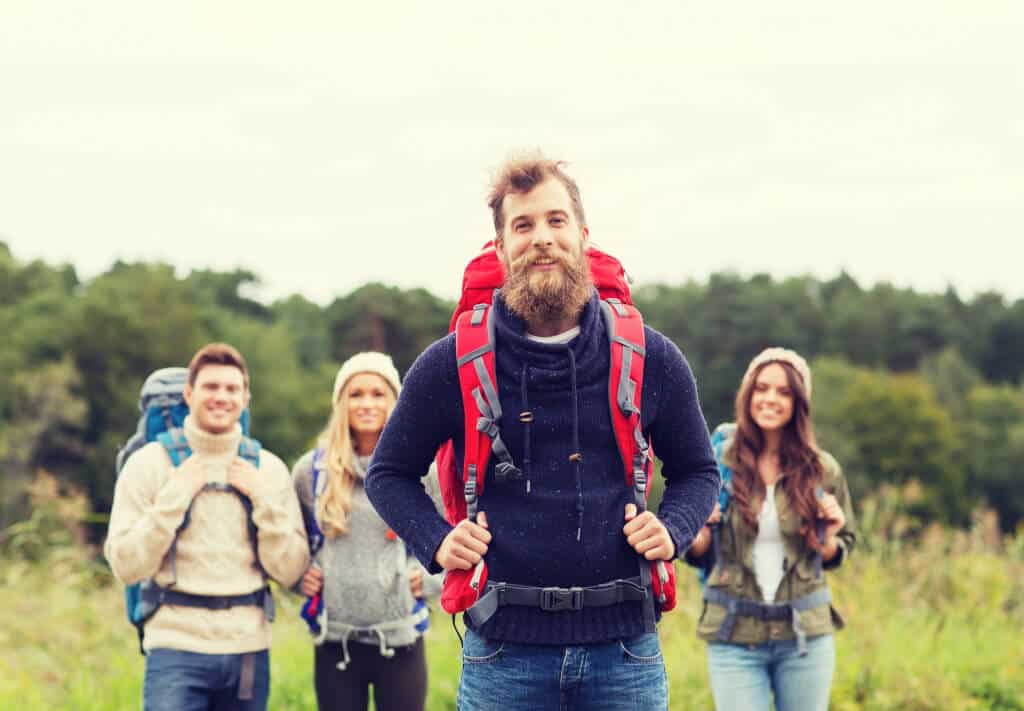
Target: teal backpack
point(163, 411)
point(720, 439)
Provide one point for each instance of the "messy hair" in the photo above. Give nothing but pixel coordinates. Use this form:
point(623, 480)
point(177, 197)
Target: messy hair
point(521, 175)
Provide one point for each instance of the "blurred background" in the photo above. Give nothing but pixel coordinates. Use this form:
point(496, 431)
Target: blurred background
point(307, 182)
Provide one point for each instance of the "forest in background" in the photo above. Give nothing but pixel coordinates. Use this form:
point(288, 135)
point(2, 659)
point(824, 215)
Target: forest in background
point(920, 391)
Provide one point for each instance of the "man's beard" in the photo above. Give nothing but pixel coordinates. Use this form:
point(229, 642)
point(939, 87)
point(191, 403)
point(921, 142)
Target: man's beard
point(547, 296)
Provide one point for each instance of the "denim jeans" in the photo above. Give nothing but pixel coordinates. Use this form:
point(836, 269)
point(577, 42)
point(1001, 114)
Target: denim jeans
point(622, 675)
point(745, 677)
point(188, 681)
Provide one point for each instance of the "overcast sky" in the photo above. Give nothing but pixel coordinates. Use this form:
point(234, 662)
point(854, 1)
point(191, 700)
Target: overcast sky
point(323, 145)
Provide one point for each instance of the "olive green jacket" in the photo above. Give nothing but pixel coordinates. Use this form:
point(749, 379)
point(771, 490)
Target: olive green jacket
point(734, 574)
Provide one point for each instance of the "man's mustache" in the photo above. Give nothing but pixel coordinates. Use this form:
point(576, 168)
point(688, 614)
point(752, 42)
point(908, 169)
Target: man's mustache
point(537, 255)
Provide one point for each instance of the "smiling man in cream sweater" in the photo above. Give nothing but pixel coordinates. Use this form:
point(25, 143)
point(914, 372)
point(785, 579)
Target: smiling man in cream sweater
point(207, 643)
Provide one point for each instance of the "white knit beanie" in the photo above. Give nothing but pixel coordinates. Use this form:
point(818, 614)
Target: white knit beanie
point(367, 362)
point(781, 355)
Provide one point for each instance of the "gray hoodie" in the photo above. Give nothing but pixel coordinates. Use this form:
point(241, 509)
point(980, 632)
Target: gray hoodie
point(366, 573)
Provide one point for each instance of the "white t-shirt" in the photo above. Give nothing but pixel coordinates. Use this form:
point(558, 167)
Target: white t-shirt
point(563, 337)
point(769, 552)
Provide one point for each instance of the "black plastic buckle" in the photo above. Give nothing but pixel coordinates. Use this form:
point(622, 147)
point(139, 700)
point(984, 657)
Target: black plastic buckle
point(220, 603)
point(503, 471)
point(557, 599)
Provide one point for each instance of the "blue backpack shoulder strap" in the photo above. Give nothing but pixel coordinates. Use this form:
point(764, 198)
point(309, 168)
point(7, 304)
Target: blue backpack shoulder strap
point(319, 483)
point(249, 450)
point(176, 445)
point(313, 610)
point(721, 440)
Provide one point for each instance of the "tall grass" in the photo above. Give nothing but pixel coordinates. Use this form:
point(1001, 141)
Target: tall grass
point(935, 621)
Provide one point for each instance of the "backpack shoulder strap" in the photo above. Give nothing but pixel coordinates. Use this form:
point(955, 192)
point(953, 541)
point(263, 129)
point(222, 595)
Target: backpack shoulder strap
point(721, 441)
point(625, 329)
point(318, 486)
point(474, 351)
point(319, 479)
point(175, 444)
point(249, 450)
point(626, 339)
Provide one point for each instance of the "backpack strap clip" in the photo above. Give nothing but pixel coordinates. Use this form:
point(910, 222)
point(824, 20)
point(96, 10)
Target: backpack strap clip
point(471, 493)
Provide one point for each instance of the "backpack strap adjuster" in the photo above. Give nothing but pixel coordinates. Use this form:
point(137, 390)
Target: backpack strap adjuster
point(478, 314)
point(470, 492)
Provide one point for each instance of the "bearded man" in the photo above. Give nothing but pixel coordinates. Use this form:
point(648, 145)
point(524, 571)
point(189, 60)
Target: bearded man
point(570, 523)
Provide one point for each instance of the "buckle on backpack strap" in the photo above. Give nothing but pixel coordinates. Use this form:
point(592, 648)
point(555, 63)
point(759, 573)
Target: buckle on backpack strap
point(556, 599)
point(220, 603)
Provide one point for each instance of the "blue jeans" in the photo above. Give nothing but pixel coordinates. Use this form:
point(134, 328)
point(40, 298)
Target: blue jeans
point(744, 677)
point(622, 675)
point(189, 681)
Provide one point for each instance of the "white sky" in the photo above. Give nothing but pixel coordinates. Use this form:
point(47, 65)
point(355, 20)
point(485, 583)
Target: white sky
point(323, 145)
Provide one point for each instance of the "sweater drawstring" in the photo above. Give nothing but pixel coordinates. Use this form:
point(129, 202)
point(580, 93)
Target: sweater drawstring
point(577, 456)
point(385, 651)
point(380, 630)
point(526, 417)
point(343, 664)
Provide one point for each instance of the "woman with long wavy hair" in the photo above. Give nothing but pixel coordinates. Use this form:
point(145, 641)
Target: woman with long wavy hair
point(784, 518)
point(364, 590)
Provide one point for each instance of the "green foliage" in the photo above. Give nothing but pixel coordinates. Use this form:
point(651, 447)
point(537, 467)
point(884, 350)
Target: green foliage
point(931, 626)
point(44, 423)
point(952, 378)
point(906, 383)
point(382, 318)
point(890, 429)
point(995, 430)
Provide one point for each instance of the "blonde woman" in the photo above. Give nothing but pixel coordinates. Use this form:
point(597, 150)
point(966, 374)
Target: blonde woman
point(365, 593)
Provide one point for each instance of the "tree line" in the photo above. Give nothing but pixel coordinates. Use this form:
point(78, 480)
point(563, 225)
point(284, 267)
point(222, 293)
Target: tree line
point(909, 386)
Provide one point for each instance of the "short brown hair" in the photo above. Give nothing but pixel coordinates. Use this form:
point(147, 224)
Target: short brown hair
point(217, 354)
point(521, 175)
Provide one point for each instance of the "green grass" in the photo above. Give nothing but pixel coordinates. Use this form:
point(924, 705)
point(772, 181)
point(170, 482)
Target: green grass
point(939, 625)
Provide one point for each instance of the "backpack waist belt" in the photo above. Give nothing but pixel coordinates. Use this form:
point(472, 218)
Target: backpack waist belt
point(553, 599)
point(738, 607)
point(155, 596)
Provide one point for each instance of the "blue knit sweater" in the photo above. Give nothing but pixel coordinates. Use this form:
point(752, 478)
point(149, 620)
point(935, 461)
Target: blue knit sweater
point(535, 532)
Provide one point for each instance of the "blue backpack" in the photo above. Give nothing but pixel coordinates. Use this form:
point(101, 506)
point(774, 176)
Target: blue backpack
point(313, 610)
point(163, 407)
point(720, 439)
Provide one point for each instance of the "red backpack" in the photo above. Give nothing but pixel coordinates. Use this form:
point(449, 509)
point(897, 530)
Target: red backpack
point(474, 341)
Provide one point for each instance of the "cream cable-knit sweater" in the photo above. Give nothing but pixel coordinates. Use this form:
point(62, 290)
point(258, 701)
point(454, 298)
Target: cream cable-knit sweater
point(215, 554)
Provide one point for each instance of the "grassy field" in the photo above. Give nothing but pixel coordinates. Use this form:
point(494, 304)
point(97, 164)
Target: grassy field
point(933, 624)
